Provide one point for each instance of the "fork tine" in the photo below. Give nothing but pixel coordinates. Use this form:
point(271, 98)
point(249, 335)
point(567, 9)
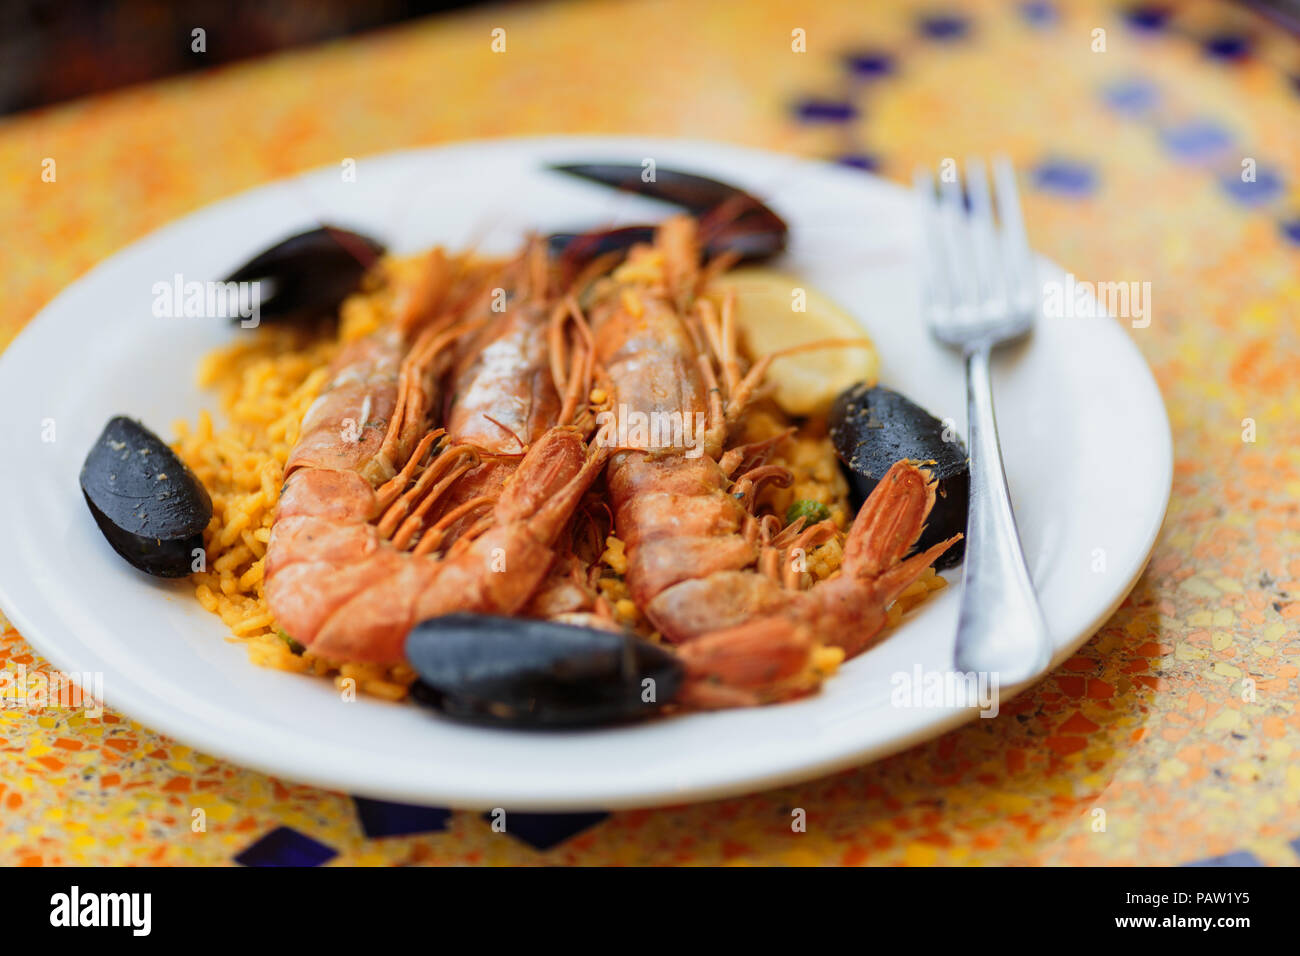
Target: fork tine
point(960, 253)
point(1018, 263)
point(936, 287)
point(984, 240)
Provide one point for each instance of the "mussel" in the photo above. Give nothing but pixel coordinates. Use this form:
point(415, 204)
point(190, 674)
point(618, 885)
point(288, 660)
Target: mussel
point(871, 428)
point(518, 672)
point(731, 220)
point(578, 247)
point(309, 274)
point(149, 505)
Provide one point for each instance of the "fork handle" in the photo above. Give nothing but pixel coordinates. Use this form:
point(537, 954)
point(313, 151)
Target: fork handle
point(1000, 626)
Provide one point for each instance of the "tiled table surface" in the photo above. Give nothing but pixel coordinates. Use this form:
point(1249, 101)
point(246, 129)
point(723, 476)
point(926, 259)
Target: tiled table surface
point(1133, 157)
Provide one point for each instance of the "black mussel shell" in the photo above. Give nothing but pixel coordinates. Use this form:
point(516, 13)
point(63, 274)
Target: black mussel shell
point(732, 221)
point(523, 673)
point(586, 246)
point(872, 428)
point(310, 274)
point(149, 505)
point(696, 194)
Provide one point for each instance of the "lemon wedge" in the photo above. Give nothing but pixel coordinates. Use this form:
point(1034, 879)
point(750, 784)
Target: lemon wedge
point(769, 319)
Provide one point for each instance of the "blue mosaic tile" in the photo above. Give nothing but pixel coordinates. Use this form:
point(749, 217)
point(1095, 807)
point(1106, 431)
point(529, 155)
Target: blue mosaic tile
point(542, 831)
point(944, 26)
point(285, 846)
point(1039, 13)
point(1235, 858)
point(1065, 177)
point(1133, 97)
point(1295, 845)
point(1147, 17)
point(1291, 229)
point(863, 161)
point(869, 63)
point(380, 818)
point(1198, 139)
point(1266, 187)
point(1230, 47)
point(825, 111)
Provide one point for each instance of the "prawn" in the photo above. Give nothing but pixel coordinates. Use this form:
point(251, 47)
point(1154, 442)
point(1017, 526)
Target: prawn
point(709, 573)
point(351, 565)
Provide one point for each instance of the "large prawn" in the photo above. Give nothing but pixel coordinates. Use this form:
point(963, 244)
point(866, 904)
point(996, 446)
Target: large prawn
point(710, 574)
point(519, 377)
point(353, 561)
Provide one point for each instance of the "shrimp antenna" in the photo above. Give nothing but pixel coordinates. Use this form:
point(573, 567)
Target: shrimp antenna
point(523, 445)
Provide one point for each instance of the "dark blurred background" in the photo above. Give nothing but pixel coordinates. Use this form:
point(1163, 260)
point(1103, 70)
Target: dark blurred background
point(52, 50)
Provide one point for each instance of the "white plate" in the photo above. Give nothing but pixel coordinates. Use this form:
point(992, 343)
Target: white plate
point(1084, 432)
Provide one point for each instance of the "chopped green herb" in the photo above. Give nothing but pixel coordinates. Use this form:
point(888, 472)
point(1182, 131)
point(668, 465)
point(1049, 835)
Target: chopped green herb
point(814, 511)
point(292, 644)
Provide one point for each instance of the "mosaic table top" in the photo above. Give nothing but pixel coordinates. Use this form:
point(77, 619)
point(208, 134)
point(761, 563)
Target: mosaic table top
point(1160, 147)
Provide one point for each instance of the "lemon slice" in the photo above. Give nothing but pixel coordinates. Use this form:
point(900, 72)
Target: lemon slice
point(768, 317)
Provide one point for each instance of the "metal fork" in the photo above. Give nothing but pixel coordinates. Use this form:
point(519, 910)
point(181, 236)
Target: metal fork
point(979, 292)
